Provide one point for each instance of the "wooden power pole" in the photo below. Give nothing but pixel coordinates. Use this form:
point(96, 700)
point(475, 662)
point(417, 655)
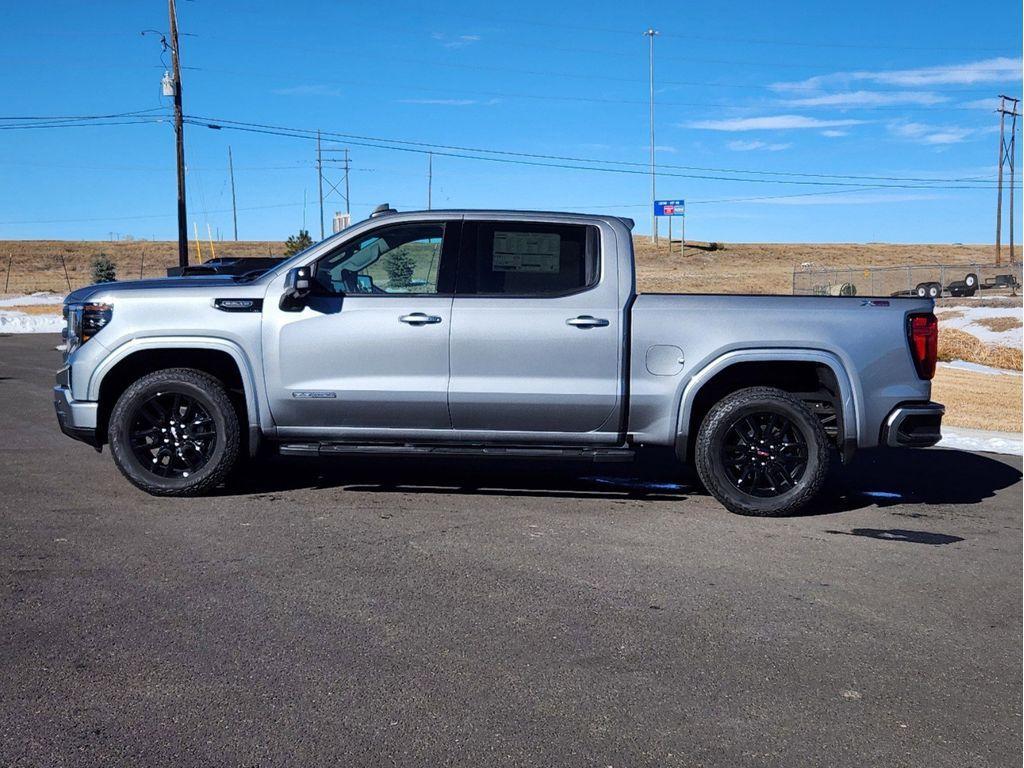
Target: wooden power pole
point(179, 136)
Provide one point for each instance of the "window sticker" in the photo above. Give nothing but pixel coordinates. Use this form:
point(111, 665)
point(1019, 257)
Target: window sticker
point(526, 252)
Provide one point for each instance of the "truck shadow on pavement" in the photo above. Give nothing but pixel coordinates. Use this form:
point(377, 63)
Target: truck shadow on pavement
point(880, 478)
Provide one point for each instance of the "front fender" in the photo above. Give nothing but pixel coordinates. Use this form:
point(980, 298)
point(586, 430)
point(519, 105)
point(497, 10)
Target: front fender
point(237, 353)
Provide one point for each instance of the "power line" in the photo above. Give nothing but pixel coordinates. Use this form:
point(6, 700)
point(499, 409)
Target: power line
point(84, 124)
point(970, 182)
point(527, 158)
point(82, 117)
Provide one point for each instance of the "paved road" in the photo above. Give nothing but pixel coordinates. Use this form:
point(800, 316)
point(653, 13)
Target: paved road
point(433, 614)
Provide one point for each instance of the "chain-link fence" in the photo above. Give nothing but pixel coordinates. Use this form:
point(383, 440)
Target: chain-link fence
point(923, 280)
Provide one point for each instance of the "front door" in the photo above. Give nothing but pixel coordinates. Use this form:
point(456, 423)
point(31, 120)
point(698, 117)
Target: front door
point(367, 355)
point(536, 343)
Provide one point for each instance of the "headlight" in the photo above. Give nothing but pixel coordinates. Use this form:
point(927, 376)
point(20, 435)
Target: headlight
point(83, 322)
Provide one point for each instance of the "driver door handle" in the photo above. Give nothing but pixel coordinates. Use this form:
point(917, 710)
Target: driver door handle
point(586, 321)
point(418, 318)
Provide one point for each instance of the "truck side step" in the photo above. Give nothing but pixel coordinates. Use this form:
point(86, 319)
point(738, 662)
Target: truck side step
point(571, 453)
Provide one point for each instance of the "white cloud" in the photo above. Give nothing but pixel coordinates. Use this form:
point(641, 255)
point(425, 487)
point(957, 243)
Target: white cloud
point(832, 133)
point(866, 99)
point(311, 89)
point(990, 103)
point(665, 148)
point(455, 41)
point(749, 146)
point(929, 134)
point(996, 70)
point(451, 102)
point(769, 123)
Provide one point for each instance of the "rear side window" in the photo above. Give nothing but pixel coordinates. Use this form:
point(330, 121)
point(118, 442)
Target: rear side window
point(525, 259)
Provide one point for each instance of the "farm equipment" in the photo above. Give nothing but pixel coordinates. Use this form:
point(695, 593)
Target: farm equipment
point(933, 289)
point(1001, 281)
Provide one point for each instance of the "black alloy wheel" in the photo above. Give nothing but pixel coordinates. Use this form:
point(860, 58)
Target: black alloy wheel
point(761, 451)
point(172, 434)
point(764, 454)
point(175, 432)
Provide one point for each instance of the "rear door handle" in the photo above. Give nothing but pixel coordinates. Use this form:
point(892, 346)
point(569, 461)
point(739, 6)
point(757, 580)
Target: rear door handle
point(418, 318)
point(586, 321)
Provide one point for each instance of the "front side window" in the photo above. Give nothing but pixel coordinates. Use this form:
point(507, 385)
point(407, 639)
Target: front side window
point(401, 259)
point(526, 259)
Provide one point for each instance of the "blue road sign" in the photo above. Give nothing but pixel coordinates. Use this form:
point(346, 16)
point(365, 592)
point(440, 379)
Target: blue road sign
point(669, 207)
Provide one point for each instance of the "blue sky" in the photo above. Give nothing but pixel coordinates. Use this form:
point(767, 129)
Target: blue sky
point(749, 95)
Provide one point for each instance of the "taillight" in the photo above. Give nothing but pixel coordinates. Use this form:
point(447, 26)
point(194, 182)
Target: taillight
point(923, 334)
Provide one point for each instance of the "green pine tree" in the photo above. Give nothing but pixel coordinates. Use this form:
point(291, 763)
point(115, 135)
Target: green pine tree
point(399, 265)
point(296, 243)
point(103, 269)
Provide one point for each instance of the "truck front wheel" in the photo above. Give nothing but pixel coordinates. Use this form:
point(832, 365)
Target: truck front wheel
point(175, 433)
point(760, 451)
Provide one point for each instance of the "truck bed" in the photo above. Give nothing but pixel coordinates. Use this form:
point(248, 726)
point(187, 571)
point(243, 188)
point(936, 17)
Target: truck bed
point(866, 337)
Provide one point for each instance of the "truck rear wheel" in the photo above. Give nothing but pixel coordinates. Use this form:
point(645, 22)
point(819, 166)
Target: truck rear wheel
point(175, 433)
point(760, 451)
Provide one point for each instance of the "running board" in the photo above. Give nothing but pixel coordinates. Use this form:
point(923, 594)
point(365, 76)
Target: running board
point(582, 453)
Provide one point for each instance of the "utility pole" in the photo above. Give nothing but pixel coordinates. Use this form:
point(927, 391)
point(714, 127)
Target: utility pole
point(234, 207)
point(430, 177)
point(320, 181)
point(348, 210)
point(652, 33)
point(1007, 155)
point(179, 136)
point(999, 193)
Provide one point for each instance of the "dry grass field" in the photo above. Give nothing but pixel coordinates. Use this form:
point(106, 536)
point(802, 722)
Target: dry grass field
point(768, 267)
point(38, 265)
point(979, 400)
point(973, 399)
point(955, 344)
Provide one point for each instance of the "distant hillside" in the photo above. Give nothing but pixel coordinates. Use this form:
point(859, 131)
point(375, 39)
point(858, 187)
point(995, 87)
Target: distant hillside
point(733, 268)
point(37, 263)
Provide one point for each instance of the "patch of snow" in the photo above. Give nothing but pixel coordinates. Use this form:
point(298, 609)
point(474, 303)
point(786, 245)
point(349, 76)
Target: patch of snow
point(40, 298)
point(963, 365)
point(968, 322)
point(982, 441)
point(19, 322)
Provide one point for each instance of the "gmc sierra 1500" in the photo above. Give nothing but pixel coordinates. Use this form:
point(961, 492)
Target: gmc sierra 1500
point(490, 332)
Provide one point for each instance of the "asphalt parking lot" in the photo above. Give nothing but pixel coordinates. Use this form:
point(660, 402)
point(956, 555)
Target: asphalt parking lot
point(440, 613)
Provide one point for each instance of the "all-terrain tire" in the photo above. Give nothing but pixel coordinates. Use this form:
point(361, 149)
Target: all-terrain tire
point(755, 401)
point(210, 394)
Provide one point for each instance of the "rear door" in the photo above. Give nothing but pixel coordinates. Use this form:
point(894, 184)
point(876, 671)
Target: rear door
point(536, 342)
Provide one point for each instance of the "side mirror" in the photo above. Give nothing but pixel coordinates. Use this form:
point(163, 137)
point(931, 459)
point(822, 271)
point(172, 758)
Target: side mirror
point(297, 283)
point(297, 286)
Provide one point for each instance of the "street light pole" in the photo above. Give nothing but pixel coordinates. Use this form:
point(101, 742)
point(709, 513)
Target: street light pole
point(652, 33)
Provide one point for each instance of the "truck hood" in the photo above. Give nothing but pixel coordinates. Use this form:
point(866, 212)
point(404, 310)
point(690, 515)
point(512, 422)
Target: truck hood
point(197, 282)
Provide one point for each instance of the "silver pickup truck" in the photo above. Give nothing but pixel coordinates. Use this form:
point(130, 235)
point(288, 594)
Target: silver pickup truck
point(504, 333)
